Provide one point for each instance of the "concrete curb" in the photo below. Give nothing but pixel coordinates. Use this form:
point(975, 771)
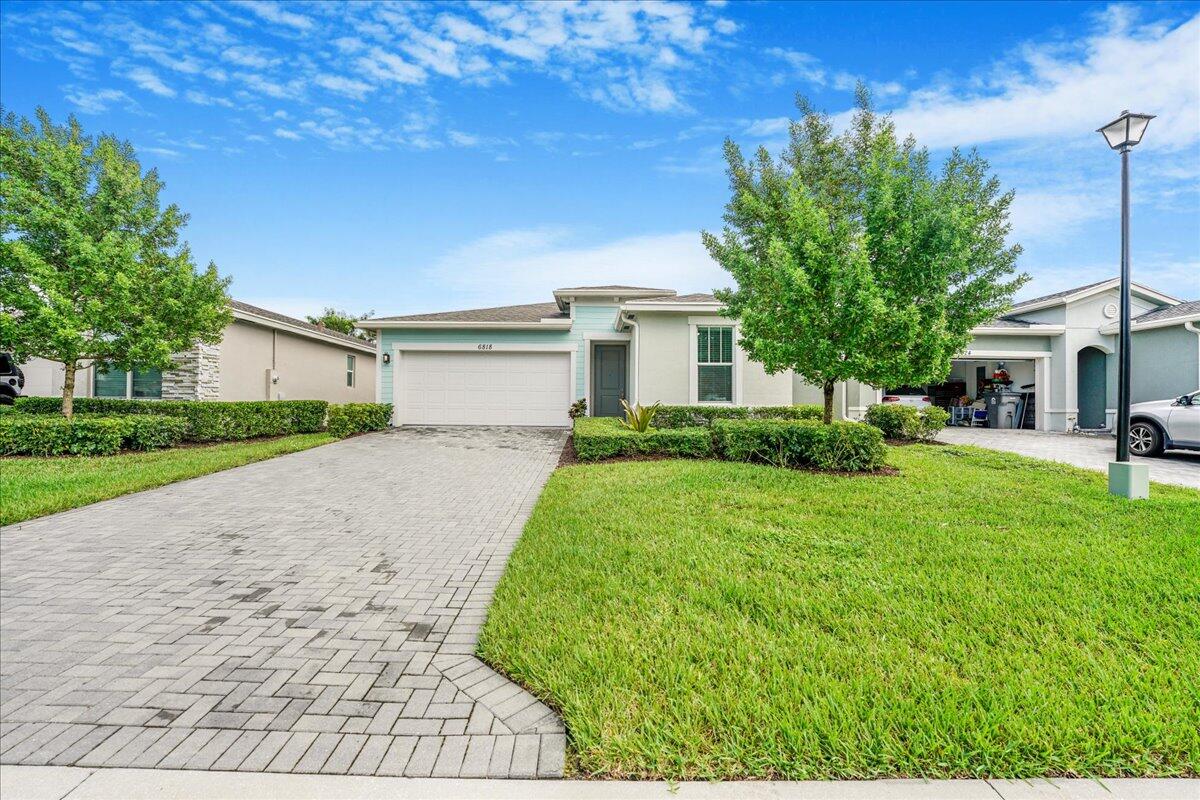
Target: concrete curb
point(76, 783)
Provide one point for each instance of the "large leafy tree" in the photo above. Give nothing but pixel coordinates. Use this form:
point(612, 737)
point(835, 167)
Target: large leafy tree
point(91, 267)
point(341, 321)
point(855, 260)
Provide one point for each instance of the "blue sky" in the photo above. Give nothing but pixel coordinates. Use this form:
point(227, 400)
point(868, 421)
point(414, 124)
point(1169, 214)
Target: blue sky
point(404, 157)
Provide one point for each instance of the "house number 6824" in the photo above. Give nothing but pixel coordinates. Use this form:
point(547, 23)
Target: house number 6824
point(484, 347)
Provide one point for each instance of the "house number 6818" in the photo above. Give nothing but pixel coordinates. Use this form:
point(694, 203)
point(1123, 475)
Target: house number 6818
point(484, 347)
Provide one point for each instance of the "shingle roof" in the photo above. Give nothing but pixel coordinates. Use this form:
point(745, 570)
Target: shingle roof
point(698, 297)
point(1009, 322)
point(530, 312)
point(299, 323)
point(613, 287)
point(1056, 295)
point(1184, 309)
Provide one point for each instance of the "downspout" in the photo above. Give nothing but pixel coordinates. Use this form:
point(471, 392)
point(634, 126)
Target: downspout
point(1191, 326)
point(637, 357)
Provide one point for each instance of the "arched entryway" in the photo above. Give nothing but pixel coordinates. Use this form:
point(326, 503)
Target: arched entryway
point(1091, 374)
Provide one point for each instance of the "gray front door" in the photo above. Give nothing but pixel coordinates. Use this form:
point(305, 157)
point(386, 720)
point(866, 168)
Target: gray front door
point(1091, 374)
point(608, 380)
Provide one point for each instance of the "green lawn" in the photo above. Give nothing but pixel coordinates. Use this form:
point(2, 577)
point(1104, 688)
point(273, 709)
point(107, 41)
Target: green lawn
point(979, 614)
point(34, 487)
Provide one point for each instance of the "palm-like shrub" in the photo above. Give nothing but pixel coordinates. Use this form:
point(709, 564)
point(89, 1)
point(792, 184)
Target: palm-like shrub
point(638, 417)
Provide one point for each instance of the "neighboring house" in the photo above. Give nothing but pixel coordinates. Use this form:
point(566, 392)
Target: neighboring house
point(525, 364)
point(262, 356)
point(1065, 345)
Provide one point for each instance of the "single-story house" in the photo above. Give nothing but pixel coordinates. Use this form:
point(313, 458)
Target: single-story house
point(262, 356)
point(1065, 345)
point(526, 364)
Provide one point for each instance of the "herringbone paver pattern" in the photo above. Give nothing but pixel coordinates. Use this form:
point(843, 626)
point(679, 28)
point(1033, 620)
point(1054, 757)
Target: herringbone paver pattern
point(313, 613)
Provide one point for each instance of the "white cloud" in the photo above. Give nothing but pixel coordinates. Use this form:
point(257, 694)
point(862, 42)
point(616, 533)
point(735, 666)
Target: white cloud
point(1056, 91)
point(96, 102)
point(725, 26)
point(204, 99)
point(525, 265)
point(385, 66)
point(344, 86)
point(284, 133)
point(772, 126)
point(275, 12)
point(246, 56)
point(145, 78)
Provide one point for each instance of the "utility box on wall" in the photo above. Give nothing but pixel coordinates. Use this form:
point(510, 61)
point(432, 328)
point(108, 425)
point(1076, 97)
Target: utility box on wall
point(272, 384)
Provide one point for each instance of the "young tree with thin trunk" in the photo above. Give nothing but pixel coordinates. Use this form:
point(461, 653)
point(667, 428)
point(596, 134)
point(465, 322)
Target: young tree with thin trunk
point(91, 268)
point(854, 260)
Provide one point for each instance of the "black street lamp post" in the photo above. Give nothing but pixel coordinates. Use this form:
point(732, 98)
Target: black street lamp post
point(1122, 135)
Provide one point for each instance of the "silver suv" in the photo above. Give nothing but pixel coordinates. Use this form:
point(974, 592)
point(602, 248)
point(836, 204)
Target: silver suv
point(1162, 424)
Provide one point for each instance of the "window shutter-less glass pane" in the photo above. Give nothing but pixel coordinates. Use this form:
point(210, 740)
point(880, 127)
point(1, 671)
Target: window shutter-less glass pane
point(727, 345)
point(109, 382)
point(702, 345)
point(715, 383)
point(147, 383)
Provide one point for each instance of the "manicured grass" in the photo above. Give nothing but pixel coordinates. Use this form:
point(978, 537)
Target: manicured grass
point(34, 487)
point(979, 614)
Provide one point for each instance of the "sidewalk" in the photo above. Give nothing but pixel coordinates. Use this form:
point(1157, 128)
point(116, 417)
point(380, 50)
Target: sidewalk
point(76, 783)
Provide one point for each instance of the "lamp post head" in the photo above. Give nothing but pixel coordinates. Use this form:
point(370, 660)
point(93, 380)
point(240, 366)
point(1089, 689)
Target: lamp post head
point(1126, 130)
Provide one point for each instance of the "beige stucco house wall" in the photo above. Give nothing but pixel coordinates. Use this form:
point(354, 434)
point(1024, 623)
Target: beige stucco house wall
point(262, 356)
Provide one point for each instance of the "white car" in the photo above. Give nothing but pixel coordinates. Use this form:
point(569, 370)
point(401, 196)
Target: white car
point(914, 396)
point(1165, 424)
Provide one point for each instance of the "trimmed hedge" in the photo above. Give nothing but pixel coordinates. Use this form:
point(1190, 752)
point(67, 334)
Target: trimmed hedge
point(841, 446)
point(350, 418)
point(906, 422)
point(605, 437)
point(689, 416)
point(86, 435)
point(207, 421)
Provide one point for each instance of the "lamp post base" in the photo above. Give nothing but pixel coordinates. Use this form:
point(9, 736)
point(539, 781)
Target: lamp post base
point(1129, 480)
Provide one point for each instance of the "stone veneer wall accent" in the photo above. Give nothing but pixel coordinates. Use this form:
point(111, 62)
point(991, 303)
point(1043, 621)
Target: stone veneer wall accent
point(197, 374)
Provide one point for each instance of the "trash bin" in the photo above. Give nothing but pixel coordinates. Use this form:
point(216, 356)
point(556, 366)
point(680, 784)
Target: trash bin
point(1002, 409)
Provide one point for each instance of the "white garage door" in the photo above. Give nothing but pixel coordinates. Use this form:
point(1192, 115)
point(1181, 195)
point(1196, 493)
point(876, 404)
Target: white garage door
point(491, 388)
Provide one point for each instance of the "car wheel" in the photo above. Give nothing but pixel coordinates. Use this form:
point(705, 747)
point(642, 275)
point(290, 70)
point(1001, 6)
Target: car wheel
point(1145, 439)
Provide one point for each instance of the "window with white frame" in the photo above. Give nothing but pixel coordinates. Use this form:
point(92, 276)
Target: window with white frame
point(350, 371)
point(714, 364)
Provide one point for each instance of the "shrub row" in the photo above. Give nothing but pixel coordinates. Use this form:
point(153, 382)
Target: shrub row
point(604, 437)
point(206, 421)
point(350, 418)
point(689, 416)
point(87, 435)
point(905, 422)
point(841, 446)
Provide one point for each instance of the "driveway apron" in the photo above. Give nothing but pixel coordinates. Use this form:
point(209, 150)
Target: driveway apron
point(313, 613)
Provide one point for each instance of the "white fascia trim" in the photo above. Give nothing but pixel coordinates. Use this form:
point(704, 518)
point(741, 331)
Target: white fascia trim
point(1032, 330)
point(552, 325)
point(567, 297)
point(649, 305)
point(485, 347)
point(1115, 327)
point(246, 316)
point(1011, 355)
point(1144, 291)
point(379, 368)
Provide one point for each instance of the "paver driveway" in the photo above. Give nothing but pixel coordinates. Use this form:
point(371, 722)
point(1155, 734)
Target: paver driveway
point(313, 613)
point(1180, 467)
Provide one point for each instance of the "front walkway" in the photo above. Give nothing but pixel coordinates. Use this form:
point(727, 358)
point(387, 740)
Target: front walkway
point(57, 783)
point(316, 613)
point(1089, 451)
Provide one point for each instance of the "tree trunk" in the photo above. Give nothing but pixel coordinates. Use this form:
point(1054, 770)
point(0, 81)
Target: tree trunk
point(68, 404)
point(828, 387)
